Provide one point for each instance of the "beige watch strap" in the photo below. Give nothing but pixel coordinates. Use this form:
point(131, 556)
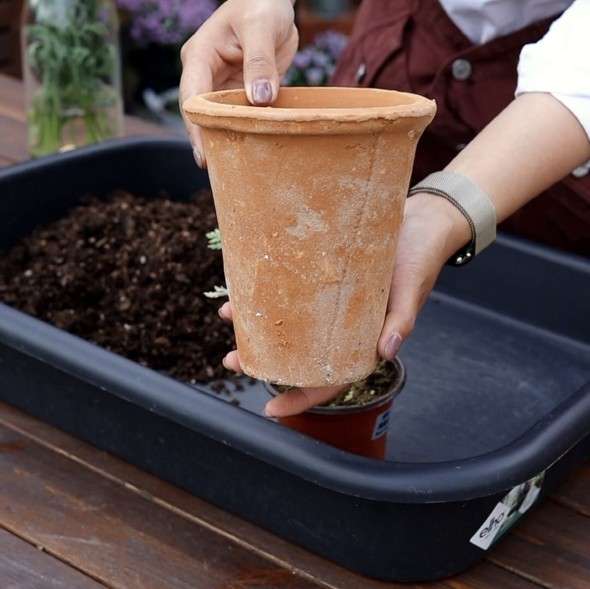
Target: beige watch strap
point(473, 203)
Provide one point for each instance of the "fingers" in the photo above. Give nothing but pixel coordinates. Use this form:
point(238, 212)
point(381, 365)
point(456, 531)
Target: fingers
point(232, 362)
point(243, 44)
point(407, 296)
point(225, 312)
point(290, 402)
point(299, 400)
point(196, 78)
point(269, 40)
point(422, 250)
point(261, 80)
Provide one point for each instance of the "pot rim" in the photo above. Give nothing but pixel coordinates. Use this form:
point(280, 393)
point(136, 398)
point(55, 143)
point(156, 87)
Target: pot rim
point(396, 387)
point(355, 105)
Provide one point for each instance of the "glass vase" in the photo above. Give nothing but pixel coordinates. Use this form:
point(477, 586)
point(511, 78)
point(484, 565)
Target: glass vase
point(72, 73)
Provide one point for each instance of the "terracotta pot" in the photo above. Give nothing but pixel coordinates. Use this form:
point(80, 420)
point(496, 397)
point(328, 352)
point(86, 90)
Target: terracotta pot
point(359, 428)
point(309, 195)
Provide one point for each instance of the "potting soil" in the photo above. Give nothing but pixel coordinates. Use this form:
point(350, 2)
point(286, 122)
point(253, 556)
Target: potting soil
point(129, 274)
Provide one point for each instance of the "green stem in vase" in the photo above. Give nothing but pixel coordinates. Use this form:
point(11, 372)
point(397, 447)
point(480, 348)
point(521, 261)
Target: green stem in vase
point(74, 60)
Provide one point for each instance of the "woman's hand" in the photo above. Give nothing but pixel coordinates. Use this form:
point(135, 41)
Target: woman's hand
point(244, 44)
point(425, 244)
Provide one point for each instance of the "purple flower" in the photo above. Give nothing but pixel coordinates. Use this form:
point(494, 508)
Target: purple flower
point(315, 76)
point(165, 22)
point(321, 60)
point(313, 65)
point(332, 42)
point(302, 59)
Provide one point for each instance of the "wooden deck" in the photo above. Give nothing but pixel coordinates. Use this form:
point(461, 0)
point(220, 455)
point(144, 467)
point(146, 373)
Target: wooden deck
point(72, 516)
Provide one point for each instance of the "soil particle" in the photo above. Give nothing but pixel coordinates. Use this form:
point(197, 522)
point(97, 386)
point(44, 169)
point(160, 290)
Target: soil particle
point(128, 274)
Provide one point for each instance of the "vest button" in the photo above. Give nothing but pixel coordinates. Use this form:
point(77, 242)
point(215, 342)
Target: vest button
point(360, 73)
point(461, 69)
point(581, 171)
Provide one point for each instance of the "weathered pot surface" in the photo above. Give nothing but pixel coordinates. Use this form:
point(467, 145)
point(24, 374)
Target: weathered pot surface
point(309, 195)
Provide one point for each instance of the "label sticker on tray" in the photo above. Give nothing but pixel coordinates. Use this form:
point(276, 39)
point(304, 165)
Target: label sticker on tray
point(508, 511)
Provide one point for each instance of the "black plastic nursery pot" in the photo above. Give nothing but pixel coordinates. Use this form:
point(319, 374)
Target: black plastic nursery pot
point(495, 412)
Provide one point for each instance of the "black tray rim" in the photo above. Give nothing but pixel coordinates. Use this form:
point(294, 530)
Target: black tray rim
point(191, 406)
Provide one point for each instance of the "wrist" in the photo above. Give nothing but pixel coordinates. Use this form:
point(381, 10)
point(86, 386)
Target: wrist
point(473, 204)
point(443, 221)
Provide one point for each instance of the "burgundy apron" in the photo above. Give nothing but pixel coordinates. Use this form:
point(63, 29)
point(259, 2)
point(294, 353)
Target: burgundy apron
point(413, 46)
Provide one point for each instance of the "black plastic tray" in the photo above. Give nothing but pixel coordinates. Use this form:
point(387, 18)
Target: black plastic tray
point(494, 415)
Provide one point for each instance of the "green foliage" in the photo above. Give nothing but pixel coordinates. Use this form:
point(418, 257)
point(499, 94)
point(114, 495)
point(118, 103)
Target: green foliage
point(214, 239)
point(218, 292)
point(72, 57)
point(214, 243)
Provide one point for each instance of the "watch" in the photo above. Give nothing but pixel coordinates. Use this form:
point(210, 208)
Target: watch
point(474, 204)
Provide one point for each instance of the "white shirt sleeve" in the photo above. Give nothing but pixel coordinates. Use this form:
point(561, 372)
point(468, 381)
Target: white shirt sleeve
point(559, 63)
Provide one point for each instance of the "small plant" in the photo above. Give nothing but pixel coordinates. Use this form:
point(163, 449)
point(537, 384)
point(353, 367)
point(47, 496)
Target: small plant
point(314, 64)
point(214, 239)
point(72, 58)
point(214, 243)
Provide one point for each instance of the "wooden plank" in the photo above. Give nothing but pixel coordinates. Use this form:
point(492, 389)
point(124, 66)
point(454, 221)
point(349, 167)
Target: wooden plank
point(12, 107)
point(6, 161)
point(12, 98)
point(13, 136)
point(575, 493)
point(13, 140)
point(23, 565)
point(550, 547)
point(489, 577)
point(116, 536)
point(251, 537)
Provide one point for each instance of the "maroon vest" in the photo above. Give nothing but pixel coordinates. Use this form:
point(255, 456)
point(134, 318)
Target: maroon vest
point(413, 46)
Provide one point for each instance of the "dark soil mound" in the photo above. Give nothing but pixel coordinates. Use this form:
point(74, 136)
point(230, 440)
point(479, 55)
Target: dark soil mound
point(129, 275)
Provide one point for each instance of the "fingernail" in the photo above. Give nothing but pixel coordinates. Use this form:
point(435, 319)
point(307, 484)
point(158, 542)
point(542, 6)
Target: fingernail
point(227, 367)
point(392, 346)
point(261, 92)
point(198, 158)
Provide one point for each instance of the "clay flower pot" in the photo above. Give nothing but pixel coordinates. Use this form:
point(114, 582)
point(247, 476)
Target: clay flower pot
point(309, 195)
point(355, 425)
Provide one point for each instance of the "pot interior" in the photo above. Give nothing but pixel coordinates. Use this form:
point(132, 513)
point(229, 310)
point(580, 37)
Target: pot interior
point(324, 97)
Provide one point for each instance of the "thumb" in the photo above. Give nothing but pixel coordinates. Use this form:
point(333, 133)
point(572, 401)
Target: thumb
point(261, 78)
point(297, 401)
point(411, 286)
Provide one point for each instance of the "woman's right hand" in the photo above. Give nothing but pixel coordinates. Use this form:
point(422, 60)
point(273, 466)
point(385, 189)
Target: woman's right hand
point(244, 44)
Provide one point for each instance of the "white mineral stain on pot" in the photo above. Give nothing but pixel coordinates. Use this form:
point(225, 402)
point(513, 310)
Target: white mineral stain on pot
point(307, 221)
